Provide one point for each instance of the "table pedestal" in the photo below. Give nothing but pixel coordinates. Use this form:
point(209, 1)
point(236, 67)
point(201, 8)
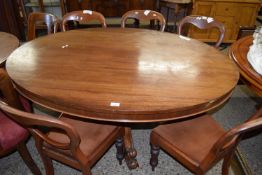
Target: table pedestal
point(130, 151)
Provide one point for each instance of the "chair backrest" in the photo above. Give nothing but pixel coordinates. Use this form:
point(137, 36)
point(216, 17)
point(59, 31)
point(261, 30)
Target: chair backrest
point(144, 15)
point(204, 22)
point(83, 16)
point(39, 18)
point(228, 142)
point(35, 122)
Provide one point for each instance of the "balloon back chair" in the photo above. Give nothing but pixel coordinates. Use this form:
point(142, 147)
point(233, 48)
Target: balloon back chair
point(43, 21)
point(144, 15)
point(200, 143)
point(73, 142)
point(84, 16)
point(203, 22)
point(12, 135)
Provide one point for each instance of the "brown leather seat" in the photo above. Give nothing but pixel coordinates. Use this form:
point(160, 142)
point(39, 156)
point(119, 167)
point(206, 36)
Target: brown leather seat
point(203, 22)
point(12, 135)
point(94, 138)
point(144, 15)
point(73, 142)
point(200, 143)
point(39, 20)
point(83, 16)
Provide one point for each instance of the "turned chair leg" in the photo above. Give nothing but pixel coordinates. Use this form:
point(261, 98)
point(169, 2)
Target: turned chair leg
point(154, 156)
point(120, 149)
point(24, 153)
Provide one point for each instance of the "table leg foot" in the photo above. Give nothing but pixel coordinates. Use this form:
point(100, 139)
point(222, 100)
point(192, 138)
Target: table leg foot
point(130, 151)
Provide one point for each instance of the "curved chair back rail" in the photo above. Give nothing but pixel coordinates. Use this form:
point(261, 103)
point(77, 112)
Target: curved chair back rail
point(83, 16)
point(74, 142)
point(39, 18)
point(204, 22)
point(211, 142)
point(144, 15)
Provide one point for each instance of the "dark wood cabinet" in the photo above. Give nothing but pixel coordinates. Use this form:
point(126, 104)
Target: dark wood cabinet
point(10, 19)
point(111, 8)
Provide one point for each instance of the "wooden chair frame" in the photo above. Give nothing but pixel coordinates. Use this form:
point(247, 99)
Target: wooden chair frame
point(84, 16)
point(51, 22)
point(144, 15)
point(11, 97)
point(204, 22)
point(68, 153)
point(223, 148)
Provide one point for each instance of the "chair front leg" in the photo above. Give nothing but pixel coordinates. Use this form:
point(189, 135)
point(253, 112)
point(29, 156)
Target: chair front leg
point(86, 171)
point(120, 149)
point(154, 156)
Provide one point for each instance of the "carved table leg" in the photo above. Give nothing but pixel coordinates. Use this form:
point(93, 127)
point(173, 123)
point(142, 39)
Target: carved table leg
point(130, 156)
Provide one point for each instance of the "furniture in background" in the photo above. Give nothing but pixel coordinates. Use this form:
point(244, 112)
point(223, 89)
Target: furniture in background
point(111, 8)
point(200, 143)
point(179, 8)
point(245, 31)
point(144, 15)
point(45, 6)
point(26, 7)
point(73, 142)
point(233, 13)
point(238, 52)
point(10, 18)
point(46, 20)
point(203, 22)
point(123, 75)
point(12, 135)
point(82, 17)
point(8, 43)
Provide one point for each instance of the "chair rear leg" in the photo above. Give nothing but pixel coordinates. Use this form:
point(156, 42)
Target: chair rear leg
point(120, 149)
point(24, 153)
point(154, 156)
point(49, 169)
point(226, 163)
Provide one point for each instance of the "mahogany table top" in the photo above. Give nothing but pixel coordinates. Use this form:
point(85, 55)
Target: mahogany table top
point(8, 43)
point(238, 52)
point(123, 75)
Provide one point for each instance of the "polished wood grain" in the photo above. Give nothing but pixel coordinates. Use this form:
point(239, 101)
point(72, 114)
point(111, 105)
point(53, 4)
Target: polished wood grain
point(153, 76)
point(238, 52)
point(8, 43)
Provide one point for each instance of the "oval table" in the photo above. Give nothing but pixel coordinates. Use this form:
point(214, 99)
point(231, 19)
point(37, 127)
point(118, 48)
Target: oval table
point(8, 43)
point(123, 75)
point(238, 52)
